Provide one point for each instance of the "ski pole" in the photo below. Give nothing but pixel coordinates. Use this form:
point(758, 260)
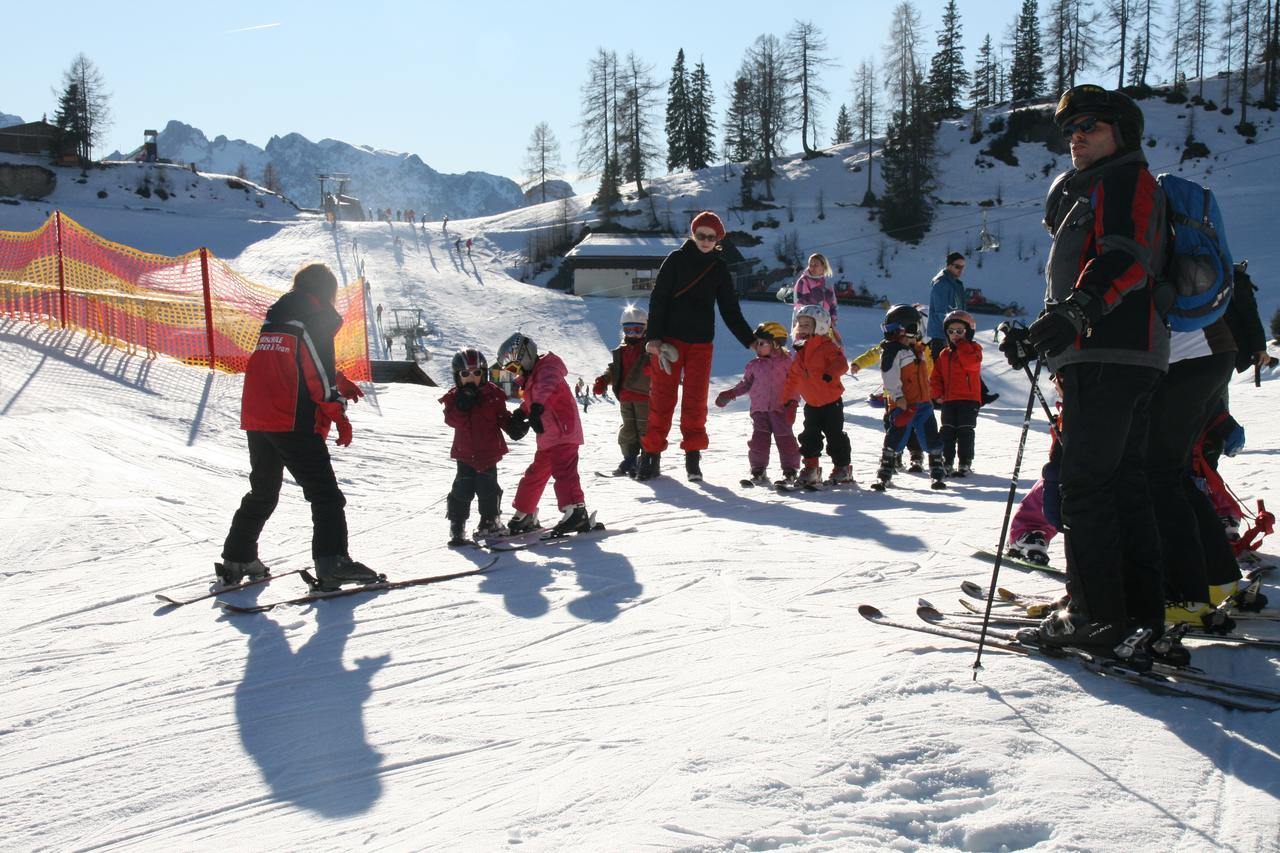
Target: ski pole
point(1008, 513)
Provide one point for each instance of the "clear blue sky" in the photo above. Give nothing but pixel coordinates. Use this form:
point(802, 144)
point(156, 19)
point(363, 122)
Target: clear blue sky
point(459, 84)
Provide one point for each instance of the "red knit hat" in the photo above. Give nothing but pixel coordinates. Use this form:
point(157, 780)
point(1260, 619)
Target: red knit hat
point(707, 219)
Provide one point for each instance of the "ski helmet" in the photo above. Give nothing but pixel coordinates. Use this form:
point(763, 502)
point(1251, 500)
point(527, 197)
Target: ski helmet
point(821, 320)
point(1112, 106)
point(959, 316)
point(902, 318)
point(771, 331)
point(634, 321)
point(468, 359)
point(518, 351)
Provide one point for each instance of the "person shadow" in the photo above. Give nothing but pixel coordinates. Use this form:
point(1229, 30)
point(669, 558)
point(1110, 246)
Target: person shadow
point(300, 714)
point(607, 585)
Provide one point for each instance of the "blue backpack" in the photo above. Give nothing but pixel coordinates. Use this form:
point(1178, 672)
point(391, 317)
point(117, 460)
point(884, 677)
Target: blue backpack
point(1197, 276)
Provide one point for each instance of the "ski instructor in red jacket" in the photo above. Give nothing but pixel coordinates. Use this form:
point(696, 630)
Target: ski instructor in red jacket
point(692, 282)
point(292, 394)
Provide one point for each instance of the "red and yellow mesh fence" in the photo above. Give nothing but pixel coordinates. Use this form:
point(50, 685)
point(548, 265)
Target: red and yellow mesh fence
point(193, 307)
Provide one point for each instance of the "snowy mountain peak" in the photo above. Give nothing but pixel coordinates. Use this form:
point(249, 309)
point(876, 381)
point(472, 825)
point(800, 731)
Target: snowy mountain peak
point(7, 120)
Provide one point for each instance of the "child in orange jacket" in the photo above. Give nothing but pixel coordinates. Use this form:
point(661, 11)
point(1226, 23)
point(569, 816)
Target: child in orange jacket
point(814, 376)
point(956, 389)
point(905, 366)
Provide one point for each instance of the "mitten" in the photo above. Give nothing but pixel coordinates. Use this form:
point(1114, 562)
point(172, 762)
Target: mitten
point(722, 399)
point(348, 389)
point(517, 426)
point(535, 417)
point(602, 383)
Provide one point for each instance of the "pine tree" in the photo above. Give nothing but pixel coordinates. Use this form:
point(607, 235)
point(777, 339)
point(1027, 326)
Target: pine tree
point(947, 74)
point(701, 144)
point(806, 60)
point(740, 135)
point(638, 100)
point(765, 65)
point(864, 110)
point(1026, 74)
point(983, 91)
point(907, 169)
point(597, 145)
point(679, 116)
point(844, 127)
point(83, 106)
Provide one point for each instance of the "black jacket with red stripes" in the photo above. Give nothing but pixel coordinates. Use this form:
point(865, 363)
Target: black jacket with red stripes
point(292, 367)
point(1108, 227)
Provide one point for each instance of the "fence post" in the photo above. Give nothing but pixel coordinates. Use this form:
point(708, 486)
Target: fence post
point(208, 303)
point(62, 282)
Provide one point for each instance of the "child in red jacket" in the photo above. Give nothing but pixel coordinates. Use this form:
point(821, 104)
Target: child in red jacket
point(956, 388)
point(477, 410)
point(814, 376)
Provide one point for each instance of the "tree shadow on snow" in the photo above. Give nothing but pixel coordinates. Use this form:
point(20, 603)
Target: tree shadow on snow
point(300, 714)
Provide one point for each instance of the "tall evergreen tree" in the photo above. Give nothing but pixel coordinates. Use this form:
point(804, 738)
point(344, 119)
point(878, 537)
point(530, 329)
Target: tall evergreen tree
point(679, 116)
point(844, 127)
point(1026, 74)
point(92, 113)
point(806, 46)
point(69, 118)
point(907, 169)
point(701, 144)
point(983, 91)
point(947, 74)
point(740, 135)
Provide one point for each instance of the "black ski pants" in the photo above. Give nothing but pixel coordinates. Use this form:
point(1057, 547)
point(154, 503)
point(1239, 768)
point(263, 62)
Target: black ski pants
point(469, 483)
point(825, 421)
point(306, 456)
point(1194, 542)
point(959, 424)
point(1112, 541)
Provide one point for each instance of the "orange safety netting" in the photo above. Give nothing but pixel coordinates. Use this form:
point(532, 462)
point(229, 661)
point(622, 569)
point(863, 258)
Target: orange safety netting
point(193, 307)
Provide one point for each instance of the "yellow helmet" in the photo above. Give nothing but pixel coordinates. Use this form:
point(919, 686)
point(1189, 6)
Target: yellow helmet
point(771, 331)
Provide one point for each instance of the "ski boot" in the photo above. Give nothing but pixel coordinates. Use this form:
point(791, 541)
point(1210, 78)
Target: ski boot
point(841, 475)
point(457, 533)
point(1199, 615)
point(693, 465)
point(1134, 651)
point(936, 472)
point(898, 465)
point(650, 466)
point(1032, 547)
point(888, 461)
point(333, 572)
point(1065, 627)
point(917, 464)
point(233, 573)
point(788, 482)
point(810, 475)
point(1168, 650)
point(965, 469)
point(523, 522)
point(489, 528)
point(759, 477)
point(574, 520)
point(627, 467)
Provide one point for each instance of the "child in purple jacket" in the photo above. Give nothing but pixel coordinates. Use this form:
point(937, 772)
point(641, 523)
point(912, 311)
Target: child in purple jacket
point(771, 417)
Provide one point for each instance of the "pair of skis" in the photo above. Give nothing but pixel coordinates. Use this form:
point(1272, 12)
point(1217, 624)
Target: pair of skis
point(1161, 679)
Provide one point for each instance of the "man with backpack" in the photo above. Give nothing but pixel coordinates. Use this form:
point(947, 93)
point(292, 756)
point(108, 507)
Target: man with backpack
point(1101, 334)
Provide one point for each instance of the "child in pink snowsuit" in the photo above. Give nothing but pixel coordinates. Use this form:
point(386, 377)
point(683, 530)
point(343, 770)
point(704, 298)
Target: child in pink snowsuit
point(552, 413)
point(811, 288)
point(771, 418)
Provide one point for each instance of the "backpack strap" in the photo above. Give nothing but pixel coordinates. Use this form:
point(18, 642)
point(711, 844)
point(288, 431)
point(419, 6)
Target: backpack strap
point(682, 291)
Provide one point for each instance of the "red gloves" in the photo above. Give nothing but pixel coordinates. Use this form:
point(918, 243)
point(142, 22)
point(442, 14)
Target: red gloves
point(333, 413)
point(791, 407)
point(348, 389)
point(601, 385)
point(904, 416)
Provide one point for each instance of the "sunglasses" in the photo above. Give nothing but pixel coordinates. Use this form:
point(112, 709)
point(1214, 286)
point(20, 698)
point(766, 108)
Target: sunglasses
point(955, 330)
point(478, 371)
point(1084, 125)
point(703, 237)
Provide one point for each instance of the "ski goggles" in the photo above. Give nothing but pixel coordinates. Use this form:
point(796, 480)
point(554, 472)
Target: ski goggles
point(633, 330)
point(476, 371)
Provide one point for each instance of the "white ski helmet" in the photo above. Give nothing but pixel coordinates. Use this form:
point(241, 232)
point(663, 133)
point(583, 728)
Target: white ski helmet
point(634, 314)
point(821, 320)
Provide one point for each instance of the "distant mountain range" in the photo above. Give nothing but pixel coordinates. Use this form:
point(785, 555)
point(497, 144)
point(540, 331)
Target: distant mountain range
point(7, 120)
point(380, 179)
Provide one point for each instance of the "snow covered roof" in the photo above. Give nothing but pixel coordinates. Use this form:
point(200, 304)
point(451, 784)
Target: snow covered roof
point(624, 246)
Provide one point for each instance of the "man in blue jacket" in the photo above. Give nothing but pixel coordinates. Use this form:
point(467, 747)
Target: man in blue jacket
point(947, 295)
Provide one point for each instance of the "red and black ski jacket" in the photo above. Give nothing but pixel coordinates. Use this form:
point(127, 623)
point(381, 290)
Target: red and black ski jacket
point(292, 367)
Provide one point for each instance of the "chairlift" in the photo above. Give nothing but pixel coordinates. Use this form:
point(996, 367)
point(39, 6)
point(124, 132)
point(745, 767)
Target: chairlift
point(988, 242)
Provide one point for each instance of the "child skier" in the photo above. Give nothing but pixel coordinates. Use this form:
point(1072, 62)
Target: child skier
point(477, 411)
point(549, 410)
point(628, 373)
point(956, 388)
point(904, 368)
point(811, 288)
point(771, 417)
point(814, 376)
